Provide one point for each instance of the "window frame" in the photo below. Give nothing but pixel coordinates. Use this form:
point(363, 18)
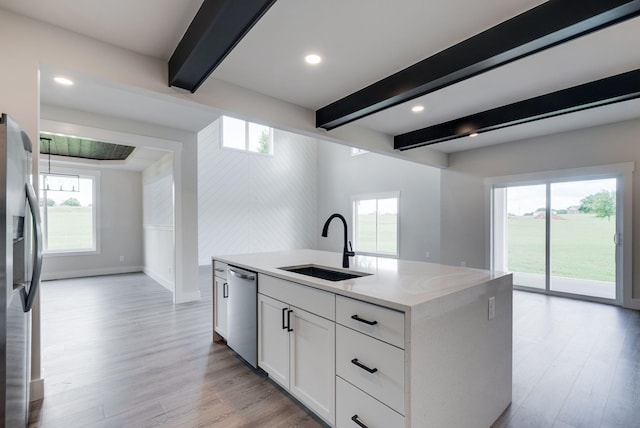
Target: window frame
point(94, 176)
point(354, 215)
point(246, 149)
point(624, 199)
point(356, 151)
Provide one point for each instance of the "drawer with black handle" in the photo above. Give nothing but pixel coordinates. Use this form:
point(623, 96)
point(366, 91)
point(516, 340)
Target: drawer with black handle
point(374, 366)
point(356, 409)
point(373, 320)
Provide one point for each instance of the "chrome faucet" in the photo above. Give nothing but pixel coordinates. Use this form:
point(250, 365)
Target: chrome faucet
point(346, 252)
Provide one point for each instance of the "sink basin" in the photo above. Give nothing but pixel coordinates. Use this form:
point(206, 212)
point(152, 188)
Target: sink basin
point(324, 272)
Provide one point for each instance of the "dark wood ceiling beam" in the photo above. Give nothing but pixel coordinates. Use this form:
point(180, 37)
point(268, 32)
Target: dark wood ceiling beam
point(621, 87)
point(216, 29)
point(542, 27)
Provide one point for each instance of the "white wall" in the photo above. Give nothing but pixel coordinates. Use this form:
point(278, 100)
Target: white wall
point(341, 176)
point(158, 221)
point(464, 198)
point(184, 146)
point(120, 229)
point(250, 202)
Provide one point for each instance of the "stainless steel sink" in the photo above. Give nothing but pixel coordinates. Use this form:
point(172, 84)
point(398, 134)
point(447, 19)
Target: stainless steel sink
point(323, 272)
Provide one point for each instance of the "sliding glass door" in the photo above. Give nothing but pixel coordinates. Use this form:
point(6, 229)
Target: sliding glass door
point(583, 237)
point(559, 236)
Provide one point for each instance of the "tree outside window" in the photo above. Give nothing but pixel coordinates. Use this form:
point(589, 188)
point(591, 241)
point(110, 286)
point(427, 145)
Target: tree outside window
point(248, 136)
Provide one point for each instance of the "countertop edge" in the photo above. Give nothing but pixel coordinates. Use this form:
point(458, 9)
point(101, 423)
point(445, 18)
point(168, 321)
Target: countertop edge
point(338, 290)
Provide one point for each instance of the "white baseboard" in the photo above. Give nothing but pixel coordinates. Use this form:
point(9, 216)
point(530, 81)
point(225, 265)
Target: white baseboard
point(187, 297)
point(633, 304)
point(46, 276)
point(36, 389)
point(166, 283)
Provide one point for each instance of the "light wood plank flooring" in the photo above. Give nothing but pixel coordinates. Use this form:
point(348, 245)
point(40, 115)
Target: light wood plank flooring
point(118, 353)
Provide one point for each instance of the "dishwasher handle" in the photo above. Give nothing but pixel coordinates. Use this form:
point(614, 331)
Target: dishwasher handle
point(242, 275)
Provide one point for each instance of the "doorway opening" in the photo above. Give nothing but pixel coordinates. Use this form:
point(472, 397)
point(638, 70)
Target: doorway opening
point(561, 235)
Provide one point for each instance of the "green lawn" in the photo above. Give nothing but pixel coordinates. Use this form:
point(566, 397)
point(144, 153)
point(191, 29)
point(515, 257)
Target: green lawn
point(581, 246)
point(387, 234)
point(69, 228)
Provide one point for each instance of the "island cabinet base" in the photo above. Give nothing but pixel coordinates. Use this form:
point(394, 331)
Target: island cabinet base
point(416, 346)
point(460, 362)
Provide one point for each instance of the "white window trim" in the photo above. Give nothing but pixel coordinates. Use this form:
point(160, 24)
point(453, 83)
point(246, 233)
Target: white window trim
point(82, 173)
point(356, 151)
point(624, 215)
point(369, 196)
point(246, 138)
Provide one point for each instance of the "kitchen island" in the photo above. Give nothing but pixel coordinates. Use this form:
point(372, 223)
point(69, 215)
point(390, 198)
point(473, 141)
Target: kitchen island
point(410, 344)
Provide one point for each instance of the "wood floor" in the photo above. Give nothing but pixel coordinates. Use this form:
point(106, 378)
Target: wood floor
point(575, 364)
point(118, 353)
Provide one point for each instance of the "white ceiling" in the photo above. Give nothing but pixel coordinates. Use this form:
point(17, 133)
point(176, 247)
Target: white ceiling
point(361, 41)
point(149, 27)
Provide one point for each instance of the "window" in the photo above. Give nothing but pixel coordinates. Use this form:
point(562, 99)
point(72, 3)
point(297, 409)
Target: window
point(375, 219)
point(562, 232)
point(356, 151)
point(69, 218)
point(248, 136)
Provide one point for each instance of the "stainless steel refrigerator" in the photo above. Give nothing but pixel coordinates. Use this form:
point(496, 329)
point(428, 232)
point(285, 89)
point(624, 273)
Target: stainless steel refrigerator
point(21, 260)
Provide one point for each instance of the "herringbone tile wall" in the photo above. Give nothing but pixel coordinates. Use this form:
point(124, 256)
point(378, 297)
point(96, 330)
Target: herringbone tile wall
point(251, 202)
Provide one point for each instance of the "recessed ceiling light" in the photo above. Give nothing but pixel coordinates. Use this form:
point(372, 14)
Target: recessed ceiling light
point(417, 109)
point(473, 134)
point(63, 81)
point(313, 59)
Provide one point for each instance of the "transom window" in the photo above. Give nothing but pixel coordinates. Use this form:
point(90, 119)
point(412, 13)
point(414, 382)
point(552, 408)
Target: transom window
point(69, 217)
point(248, 136)
point(376, 225)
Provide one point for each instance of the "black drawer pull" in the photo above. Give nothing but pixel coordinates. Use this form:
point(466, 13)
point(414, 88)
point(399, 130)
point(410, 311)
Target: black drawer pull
point(355, 419)
point(362, 366)
point(225, 290)
point(289, 329)
point(284, 314)
point(357, 318)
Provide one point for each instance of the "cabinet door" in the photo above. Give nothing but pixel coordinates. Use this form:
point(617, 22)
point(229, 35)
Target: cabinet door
point(312, 362)
point(220, 306)
point(273, 339)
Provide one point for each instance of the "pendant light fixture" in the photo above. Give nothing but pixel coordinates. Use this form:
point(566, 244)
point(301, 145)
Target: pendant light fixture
point(56, 181)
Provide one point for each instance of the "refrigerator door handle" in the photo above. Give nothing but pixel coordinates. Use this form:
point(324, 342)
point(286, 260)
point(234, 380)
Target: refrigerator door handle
point(28, 298)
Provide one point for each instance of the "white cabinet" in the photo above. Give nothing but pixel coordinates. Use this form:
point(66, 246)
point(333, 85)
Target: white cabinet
point(354, 406)
point(312, 362)
point(296, 347)
point(220, 298)
point(273, 339)
point(375, 367)
point(370, 365)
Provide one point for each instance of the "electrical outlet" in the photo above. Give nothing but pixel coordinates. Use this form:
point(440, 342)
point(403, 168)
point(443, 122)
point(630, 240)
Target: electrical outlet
point(427, 255)
point(492, 308)
point(121, 258)
point(463, 264)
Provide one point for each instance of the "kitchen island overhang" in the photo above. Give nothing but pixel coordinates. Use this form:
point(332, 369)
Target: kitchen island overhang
point(457, 329)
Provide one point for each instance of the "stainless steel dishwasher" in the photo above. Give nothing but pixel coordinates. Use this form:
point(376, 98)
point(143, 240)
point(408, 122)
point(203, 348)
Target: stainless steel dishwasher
point(242, 314)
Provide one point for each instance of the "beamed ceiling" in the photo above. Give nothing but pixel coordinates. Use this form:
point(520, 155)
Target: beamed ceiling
point(221, 24)
point(508, 70)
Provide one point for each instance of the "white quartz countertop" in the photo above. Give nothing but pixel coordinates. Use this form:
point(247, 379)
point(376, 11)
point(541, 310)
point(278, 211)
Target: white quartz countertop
point(399, 284)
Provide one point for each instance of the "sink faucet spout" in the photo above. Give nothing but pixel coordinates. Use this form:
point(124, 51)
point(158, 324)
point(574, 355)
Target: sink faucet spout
point(346, 251)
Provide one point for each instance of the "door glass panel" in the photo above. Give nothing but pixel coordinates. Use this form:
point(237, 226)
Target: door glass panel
point(583, 226)
point(526, 238)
